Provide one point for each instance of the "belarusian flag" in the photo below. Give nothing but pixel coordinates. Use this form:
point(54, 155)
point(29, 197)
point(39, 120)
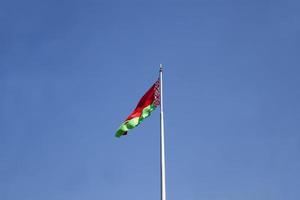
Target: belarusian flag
point(146, 105)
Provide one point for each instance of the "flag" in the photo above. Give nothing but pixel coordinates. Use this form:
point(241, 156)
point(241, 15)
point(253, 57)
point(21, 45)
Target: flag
point(146, 105)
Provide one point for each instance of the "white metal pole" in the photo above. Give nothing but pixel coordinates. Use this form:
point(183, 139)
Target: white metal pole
point(162, 138)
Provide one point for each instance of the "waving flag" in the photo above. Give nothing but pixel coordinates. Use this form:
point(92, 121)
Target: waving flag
point(146, 105)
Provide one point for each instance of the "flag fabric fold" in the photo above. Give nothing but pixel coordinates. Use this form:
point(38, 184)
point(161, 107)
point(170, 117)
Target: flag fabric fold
point(146, 105)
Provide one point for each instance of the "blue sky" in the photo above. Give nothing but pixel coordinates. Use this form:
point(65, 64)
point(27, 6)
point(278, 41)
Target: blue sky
point(71, 71)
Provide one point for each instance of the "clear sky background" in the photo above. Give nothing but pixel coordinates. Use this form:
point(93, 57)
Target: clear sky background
point(71, 72)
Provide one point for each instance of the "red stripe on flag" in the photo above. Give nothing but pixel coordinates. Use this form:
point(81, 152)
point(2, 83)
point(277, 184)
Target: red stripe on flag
point(145, 101)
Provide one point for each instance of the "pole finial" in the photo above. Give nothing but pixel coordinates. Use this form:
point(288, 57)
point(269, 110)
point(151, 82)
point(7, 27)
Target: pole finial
point(160, 67)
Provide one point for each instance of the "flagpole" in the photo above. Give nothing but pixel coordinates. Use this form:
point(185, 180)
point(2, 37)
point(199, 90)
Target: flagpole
point(162, 138)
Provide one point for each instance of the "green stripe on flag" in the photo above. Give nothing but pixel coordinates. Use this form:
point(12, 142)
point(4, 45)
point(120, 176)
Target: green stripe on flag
point(130, 124)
